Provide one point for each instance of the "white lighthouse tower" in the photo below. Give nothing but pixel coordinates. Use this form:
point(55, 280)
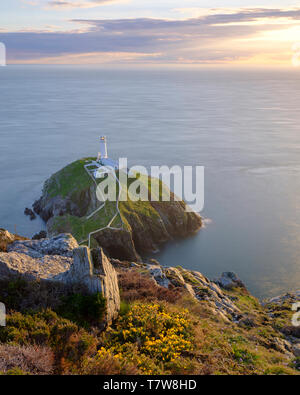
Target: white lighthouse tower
point(103, 148)
point(103, 158)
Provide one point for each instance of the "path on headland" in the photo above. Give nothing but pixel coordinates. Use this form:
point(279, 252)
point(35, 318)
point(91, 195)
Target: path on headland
point(105, 170)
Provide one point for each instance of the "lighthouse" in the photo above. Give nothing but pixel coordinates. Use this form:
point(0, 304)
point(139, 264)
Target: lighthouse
point(103, 148)
point(103, 159)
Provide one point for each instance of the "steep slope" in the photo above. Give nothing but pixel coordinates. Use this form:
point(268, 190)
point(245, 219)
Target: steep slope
point(172, 320)
point(124, 229)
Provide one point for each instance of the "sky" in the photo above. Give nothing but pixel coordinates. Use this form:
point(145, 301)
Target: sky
point(151, 32)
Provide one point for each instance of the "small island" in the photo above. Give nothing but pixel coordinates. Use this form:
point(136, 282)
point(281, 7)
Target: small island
point(124, 229)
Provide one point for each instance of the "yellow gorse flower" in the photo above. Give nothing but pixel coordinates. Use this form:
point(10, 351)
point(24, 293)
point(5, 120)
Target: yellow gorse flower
point(148, 332)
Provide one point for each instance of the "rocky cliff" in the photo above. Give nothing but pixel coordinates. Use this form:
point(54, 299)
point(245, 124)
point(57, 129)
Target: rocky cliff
point(226, 299)
point(69, 204)
point(61, 260)
point(7, 238)
point(233, 331)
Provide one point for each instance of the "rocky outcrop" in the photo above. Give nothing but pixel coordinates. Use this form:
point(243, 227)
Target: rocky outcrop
point(117, 244)
point(206, 290)
point(30, 213)
point(40, 235)
point(95, 272)
point(231, 303)
point(289, 298)
point(296, 349)
point(284, 312)
point(60, 259)
point(46, 267)
point(38, 259)
point(229, 280)
point(193, 283)
point(177, 221)
point(62, 245)
point(47, 207)
point(169, 221)
point(110, 288)
point(69, 191)
point(157, 273)
point(7, 238)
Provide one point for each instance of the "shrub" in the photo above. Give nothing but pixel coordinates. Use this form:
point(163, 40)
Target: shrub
point(107, 364)
point(84, 309)
point(24, 329)
point(69, 343)
point(150, 337)
point(71, 353)
point(15, 359)
point(135, 286)
point(14, 372)
point(72, 302)
point(21, 295)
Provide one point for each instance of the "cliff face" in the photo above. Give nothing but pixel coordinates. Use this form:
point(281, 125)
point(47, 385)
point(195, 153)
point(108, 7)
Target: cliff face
point(269, 330)
point(166, 221)
point(61, 260)
point(69, 204)
point(69, 191)
point(210, 327)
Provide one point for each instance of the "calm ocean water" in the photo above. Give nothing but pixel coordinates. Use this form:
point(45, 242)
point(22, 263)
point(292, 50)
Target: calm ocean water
point(243, 126)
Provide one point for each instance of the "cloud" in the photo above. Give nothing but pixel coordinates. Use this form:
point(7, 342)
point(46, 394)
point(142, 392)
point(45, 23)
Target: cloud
point(61, 4)
point(70, 4)
point(213, 38)
point(90, 58)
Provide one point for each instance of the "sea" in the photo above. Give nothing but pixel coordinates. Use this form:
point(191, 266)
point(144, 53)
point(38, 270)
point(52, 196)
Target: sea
point(242, 125)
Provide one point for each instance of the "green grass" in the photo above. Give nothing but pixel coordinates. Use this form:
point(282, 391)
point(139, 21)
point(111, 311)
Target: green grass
point(117, 222)
point(71, 178)
point(242, 355)
point(244, 301)
point(80, 227)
